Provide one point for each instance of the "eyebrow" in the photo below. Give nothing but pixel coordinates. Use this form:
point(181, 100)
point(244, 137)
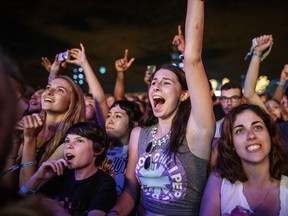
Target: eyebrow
point(253, 123)
point(118, 112)
point(164, 78)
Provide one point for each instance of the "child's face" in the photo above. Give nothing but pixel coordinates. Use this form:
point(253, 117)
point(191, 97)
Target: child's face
point(79, 152)
point(117, 123)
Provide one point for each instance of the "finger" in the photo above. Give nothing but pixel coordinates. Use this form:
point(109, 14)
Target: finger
point(174, 41)
point(28, 121)
point(56, 58)
point(52, 166)
point(37, 116)
point(131, 62)
point(82, 47)
point(126, 55)
point(64, 162)
point(179, 30)
point(58, 167)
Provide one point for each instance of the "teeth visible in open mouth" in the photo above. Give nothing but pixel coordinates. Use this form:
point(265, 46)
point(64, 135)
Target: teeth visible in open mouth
point(69, 156)
point(253, 147)
point(48, 100)
point(158, 100)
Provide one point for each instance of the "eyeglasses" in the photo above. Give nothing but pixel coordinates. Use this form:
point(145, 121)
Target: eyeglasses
point(233, 98)
point(148, 160)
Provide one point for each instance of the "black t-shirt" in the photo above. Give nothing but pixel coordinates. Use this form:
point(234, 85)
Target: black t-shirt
point(98, 192)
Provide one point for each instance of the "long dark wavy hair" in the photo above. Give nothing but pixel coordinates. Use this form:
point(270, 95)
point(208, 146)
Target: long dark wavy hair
point(228, 164)
point(179, 123)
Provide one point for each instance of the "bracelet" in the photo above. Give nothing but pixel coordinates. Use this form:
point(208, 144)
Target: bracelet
point(257, 54)
point(280, 83)
point(113, 211)
point(18, 166)
point(25, 191)
point(27, 164)
point(254, 54)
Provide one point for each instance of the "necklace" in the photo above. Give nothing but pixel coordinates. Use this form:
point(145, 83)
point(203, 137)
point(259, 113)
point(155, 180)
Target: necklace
point(254, 209)
point(148, 164)
point(161, 141)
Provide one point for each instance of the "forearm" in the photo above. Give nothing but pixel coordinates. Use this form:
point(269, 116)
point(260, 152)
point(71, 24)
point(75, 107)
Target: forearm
point(29, 158)
point(193, 66)
point(32, 184)
point(119, 88)
point(279, 90)
point(251, 78)
point(251, 81)
point(124, 204)
point(194, 28)
point(94, 84)
point(96, 91)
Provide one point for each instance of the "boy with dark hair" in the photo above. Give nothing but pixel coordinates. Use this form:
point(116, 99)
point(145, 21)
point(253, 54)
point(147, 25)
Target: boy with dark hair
point(83, 188)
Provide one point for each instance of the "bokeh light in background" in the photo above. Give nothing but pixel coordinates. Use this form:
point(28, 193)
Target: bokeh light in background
point(102, 70)
point(78, 76)
point(262, 84)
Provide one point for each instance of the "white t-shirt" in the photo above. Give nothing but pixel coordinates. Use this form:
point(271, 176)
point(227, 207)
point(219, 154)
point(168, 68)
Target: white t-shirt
point(232, 195)
point(218, 126)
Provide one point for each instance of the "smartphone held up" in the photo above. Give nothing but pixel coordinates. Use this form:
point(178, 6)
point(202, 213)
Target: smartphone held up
point(63, 56)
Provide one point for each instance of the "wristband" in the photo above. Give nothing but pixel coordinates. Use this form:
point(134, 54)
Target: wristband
point(25, 191)
point(280, 83)
point(17, 166)
point(251, 52)
point(27, 164)
point(257, 54)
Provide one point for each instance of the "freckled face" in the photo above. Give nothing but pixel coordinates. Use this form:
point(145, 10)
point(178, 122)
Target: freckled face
point(251, 138)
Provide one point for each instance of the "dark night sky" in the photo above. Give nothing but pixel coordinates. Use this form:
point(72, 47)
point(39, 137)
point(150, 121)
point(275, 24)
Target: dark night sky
point(31, 29)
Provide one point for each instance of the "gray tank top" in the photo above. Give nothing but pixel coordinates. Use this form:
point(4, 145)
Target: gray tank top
point(174, 184)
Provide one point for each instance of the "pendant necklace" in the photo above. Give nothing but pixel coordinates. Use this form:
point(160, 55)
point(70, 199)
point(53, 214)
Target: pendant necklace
point(254, 209)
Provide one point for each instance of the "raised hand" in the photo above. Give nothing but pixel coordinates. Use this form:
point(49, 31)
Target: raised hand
point(51, 168)
point(46, 63)
point(54, 68)
point(179, 40)
point(123, 64)
point(79, 56)
point(263, 43)
point(33, 124)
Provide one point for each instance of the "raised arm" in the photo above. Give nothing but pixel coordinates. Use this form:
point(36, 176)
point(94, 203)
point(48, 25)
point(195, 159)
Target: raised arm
point(95, 87)
point(264, 42)
point(280, 88)
point(121, 66)
point(33, 124)
point(201, 124)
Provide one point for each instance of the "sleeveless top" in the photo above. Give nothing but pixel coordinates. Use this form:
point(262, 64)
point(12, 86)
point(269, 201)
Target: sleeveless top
point(232, 195)
point(174, 184)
